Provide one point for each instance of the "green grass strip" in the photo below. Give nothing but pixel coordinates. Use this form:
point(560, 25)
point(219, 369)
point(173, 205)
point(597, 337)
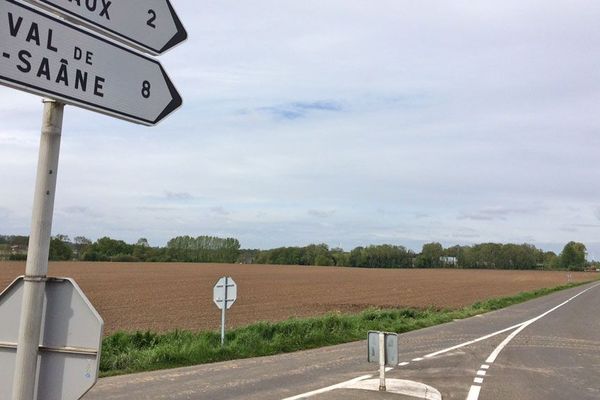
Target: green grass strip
point(124, 353)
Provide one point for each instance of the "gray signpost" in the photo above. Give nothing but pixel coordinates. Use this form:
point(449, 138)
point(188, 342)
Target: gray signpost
point(50, 57)
point(52, 351)
point(383, 350)
point(69, 347)
point(148, 25)
point(224, 295)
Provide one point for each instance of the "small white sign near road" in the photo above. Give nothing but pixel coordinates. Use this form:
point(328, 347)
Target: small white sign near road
point(224, 295)
point(149, 25)
point(70, 341)
point(225, 292)
point(50, 57)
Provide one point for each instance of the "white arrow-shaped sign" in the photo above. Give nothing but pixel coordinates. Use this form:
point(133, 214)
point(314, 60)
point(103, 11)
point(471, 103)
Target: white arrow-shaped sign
point(47, 56)
point(149, 25)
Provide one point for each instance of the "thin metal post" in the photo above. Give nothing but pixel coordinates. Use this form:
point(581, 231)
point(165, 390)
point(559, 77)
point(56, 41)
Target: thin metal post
point(224, 309)
point(382, 387)
point(25, 381)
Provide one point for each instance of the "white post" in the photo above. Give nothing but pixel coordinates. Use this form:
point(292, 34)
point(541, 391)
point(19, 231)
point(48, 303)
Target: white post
point(382, 387)
point(25, 380)
point(223, 313)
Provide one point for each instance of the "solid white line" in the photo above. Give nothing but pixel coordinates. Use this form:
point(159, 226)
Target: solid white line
point(478, 380)
point(328, 388)
point(418, 359)
point(505, 342)
point(474, 393)
point(470, 342)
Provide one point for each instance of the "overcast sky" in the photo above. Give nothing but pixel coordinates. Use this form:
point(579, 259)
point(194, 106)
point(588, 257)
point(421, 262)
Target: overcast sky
point(345, 122)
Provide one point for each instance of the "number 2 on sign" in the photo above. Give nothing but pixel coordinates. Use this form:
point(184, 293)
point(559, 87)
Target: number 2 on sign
point(150, 22)
point(146, 89)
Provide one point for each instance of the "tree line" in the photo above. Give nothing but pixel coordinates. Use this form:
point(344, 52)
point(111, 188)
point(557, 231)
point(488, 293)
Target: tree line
point(228, 250)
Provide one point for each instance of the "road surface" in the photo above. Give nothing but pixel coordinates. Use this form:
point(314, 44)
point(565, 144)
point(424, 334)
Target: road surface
point(548, 348)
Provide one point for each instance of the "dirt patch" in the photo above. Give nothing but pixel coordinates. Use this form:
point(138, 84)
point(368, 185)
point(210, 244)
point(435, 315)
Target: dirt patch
point(162, 297)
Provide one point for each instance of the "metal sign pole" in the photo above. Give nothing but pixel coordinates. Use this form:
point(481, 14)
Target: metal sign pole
point(224, 309)
point(25, 381)
point(382, 387)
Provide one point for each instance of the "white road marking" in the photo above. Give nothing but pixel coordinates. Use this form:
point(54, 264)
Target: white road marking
point(478, 380)
point(403, 364)
point(329, 388)
point(470, 342)
point(474, 392)
point(501, 346)
point(481, 373)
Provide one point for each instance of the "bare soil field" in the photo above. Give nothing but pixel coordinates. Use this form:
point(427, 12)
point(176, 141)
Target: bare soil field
point(163, 297)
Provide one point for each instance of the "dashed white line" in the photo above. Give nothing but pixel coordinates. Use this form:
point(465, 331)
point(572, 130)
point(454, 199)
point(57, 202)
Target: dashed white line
point(474, 392)
point(475, 389)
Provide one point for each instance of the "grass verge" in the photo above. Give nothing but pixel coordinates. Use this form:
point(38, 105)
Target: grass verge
point(124, 353)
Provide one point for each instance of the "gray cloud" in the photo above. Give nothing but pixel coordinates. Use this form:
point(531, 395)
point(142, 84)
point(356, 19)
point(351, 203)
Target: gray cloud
point(497, 213)
point(178, 196)
point(298, 110)
point(321, 213)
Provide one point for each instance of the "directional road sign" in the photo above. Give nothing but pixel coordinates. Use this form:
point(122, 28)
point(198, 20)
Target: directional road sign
point(149, 25)
point(225, 292)
point(391, 348)
point(44, 55)
point(70, 341)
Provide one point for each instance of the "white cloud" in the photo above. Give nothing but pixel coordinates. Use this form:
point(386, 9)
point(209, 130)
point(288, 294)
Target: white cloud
point(485, 111)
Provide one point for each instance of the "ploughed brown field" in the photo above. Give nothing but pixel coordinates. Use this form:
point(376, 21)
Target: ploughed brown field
point(163, 297)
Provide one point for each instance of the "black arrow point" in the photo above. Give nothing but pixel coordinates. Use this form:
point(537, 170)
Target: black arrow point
point(176, 101)
point(181, 34)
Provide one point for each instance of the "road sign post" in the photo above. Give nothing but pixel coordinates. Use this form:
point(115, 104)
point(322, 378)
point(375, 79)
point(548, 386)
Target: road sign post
point(224, 295)
point(382, 349)
point(37, 257)
point(151, 26)
point(51, 57)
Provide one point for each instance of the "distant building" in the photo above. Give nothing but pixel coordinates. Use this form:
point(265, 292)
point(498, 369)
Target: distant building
point(452, 261)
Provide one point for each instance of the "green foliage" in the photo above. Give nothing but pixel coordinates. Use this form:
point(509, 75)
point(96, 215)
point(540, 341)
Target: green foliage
point(145, 351)
point(314, 254)
point(430, 257)
point(501, 256)
point(203, 249)
point(573, 256)
point(383, 256)
point(60, 250)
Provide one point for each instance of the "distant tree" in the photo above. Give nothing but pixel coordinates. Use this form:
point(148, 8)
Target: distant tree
point(81, 243)
point(430, 256)
point(60, 249)
point(573, 256)
point(143, 242)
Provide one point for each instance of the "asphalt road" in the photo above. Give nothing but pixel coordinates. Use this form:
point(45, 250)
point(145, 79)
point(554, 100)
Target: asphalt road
point(548, 348)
